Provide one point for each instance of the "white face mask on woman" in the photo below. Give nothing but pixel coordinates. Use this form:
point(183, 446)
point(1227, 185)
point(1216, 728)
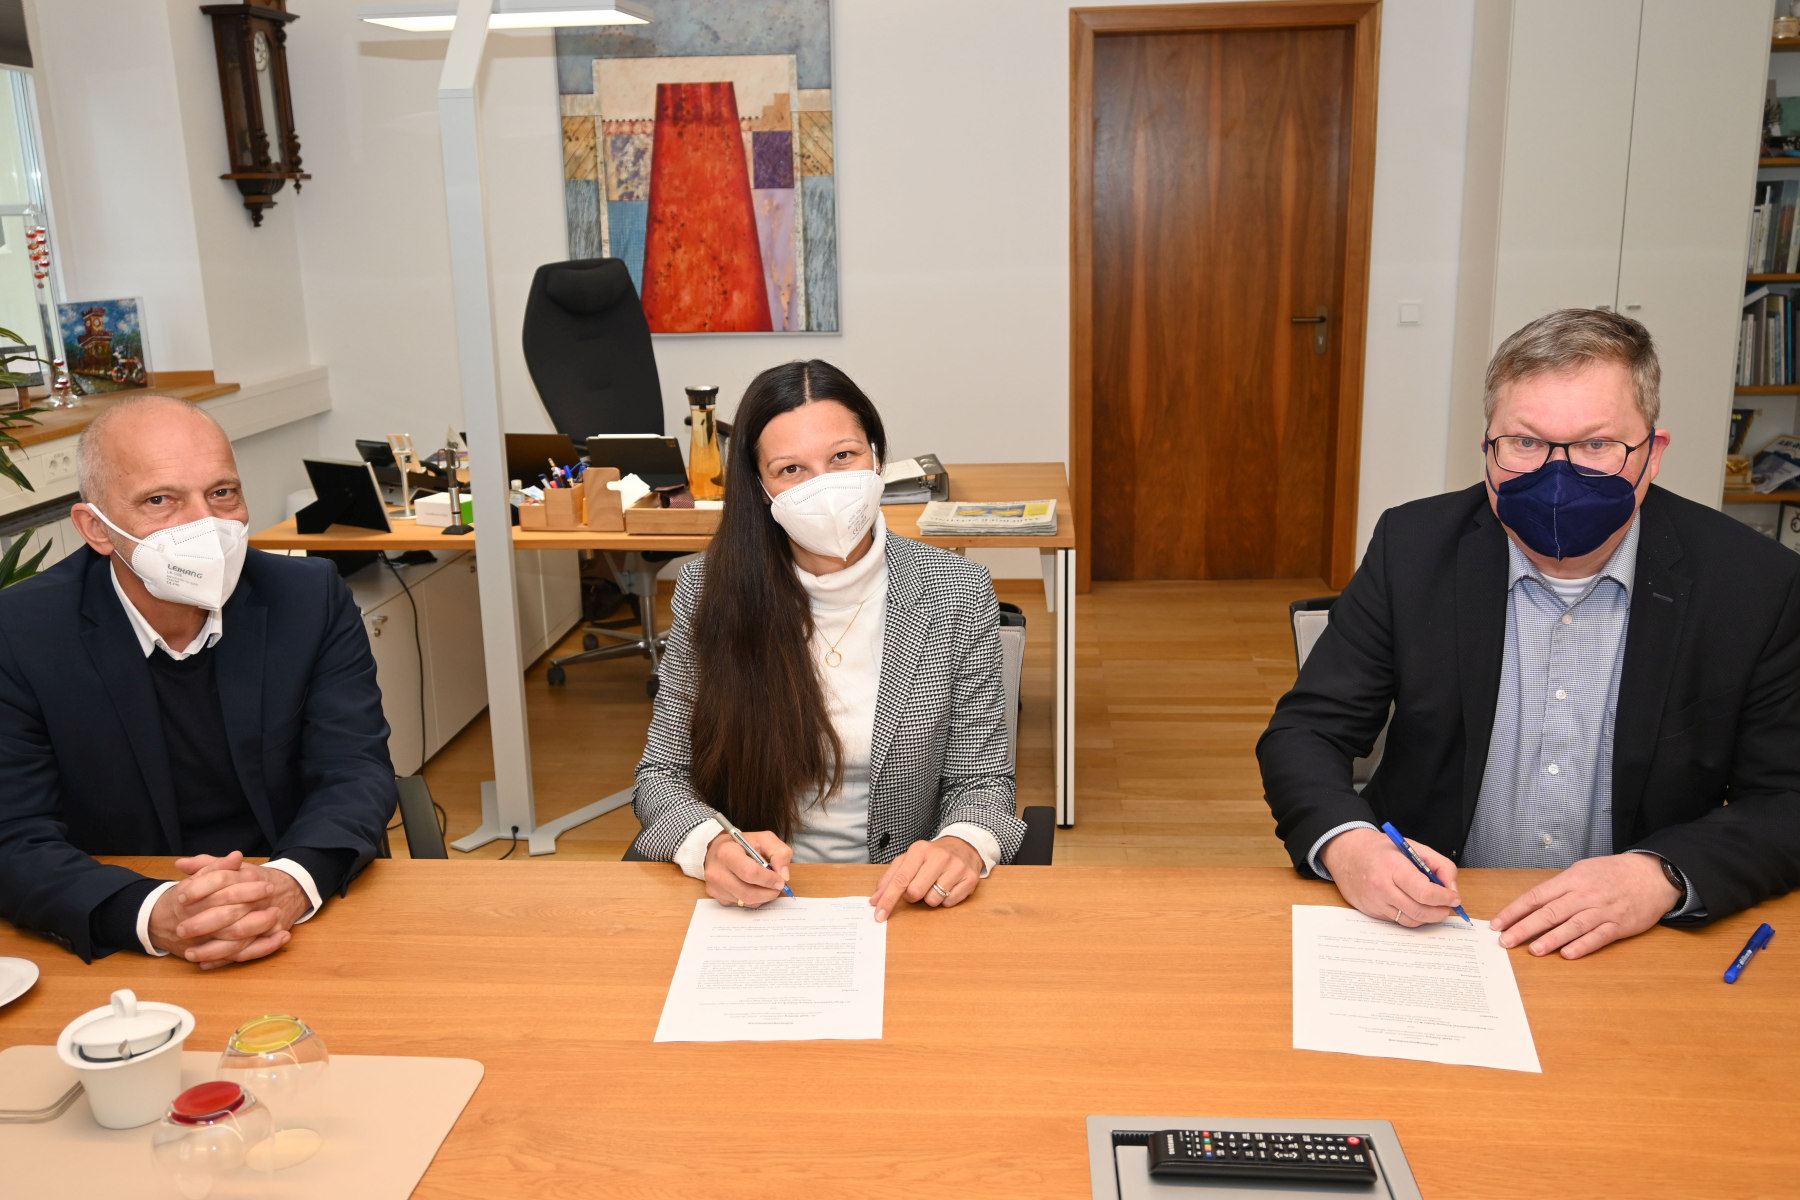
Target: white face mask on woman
point(197, 563)
point(830, 514)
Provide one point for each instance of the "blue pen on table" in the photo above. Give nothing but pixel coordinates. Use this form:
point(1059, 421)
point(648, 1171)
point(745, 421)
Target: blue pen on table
point(1387, 827)
point(758, 859)
point(1757, 941)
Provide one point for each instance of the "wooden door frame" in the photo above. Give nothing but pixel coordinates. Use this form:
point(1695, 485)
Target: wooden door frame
point(1363, 18)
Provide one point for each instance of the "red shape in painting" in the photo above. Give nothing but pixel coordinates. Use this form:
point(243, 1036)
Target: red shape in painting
point(703, 269)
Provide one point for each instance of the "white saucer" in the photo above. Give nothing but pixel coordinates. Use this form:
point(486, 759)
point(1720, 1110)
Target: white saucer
point(16, 977)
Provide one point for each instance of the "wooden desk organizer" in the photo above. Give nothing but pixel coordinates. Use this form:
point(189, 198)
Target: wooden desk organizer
point(647, 516)
point(605, 513)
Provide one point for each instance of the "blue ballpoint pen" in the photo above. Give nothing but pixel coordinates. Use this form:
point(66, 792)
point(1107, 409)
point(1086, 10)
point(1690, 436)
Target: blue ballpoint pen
point(1757, 941)
point(1387, 827)
point(758, 859)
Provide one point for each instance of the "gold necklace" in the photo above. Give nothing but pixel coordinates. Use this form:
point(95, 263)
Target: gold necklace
point(832, 658)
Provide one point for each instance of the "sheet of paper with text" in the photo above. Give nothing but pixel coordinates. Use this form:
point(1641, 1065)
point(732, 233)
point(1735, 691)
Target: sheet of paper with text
point(1444, 993)
point(794, 970)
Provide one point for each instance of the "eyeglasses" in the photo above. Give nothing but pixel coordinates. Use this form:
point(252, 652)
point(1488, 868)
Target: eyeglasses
point(1591, 456)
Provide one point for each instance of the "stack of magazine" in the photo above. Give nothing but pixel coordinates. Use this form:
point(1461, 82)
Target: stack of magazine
point(1005, 518)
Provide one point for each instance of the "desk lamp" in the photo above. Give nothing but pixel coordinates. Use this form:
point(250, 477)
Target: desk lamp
point(506, 801)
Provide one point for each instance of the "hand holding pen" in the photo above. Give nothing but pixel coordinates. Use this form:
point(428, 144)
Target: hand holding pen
point(1406, 849)
point(1386, 885)
point(747, 869)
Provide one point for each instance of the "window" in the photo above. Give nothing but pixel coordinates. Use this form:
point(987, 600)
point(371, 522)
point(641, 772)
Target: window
point(25, 308)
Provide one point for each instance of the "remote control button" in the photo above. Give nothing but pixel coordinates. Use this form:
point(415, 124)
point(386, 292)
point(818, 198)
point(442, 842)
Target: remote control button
point(1354, 1141)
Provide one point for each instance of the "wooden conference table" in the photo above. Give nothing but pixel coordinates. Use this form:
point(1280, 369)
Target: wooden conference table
point(968, 482)
point(1053, 994)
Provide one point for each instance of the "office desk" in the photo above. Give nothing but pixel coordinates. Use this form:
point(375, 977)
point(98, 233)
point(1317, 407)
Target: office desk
point(1052, 994)
point(968, 481)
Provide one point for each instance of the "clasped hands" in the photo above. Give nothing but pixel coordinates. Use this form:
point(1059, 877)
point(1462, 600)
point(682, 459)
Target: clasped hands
point(226, 911)
point(1595, 902)
point(943, 873)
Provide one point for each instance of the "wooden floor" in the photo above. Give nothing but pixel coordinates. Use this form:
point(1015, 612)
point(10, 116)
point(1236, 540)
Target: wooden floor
point(1175, 682)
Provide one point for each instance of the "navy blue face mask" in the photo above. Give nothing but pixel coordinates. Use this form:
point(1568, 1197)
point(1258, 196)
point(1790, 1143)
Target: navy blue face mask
point(1561, 513)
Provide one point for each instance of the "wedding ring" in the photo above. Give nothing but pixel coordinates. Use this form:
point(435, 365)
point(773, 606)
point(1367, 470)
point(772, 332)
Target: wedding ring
point(938, 888)
point(1398, 912)
point(741, 904)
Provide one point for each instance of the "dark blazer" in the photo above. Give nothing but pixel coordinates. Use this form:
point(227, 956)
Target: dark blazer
point(83, 765)
point(1706, 748)
point(938, 755)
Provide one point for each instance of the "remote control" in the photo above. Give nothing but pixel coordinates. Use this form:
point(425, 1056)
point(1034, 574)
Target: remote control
point(1201, 1153)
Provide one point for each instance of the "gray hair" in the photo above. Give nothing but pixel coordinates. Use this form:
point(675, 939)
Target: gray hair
point(90, 450)
point(1574, 337)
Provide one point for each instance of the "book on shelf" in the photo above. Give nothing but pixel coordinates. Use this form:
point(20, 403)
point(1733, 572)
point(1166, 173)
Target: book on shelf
point(1766, 335)
point(990, 518)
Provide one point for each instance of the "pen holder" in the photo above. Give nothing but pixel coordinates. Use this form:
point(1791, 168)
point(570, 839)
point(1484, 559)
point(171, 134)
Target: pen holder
point(604, 512)
point(531, 516)
point(562, 508)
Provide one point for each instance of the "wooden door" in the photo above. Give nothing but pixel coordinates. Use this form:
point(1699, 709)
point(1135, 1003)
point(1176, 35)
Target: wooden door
point(1221, 180)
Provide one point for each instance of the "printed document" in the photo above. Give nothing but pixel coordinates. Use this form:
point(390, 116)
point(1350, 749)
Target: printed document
point(794, 970)
point(1442, 993)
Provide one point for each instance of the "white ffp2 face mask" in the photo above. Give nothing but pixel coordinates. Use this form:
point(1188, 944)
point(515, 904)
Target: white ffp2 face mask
point(197, 563)
point(830, 514)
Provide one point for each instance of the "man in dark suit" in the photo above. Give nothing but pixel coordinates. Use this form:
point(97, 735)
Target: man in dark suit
point(1584, 671)
point(165, 691)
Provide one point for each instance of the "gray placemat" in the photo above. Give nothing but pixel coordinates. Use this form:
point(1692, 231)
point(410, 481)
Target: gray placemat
point(382, 1119)
point(1122, 1172)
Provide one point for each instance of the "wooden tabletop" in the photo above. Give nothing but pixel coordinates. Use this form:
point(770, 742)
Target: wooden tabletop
point(968, 481)
point(1053, 994)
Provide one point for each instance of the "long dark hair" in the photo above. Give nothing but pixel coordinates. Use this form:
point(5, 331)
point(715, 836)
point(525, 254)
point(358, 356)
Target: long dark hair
point(762, 738)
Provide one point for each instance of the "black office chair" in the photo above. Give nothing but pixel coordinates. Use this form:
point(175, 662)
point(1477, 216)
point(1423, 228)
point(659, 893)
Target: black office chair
point(418, 814)
point(587, 346)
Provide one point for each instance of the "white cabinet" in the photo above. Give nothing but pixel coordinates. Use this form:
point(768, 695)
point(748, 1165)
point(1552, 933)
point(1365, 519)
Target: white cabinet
point(1567, 150)
point(446, 644)
point(455, 673)
point(1681, 264)
point(1612, 145)
point(391, 640)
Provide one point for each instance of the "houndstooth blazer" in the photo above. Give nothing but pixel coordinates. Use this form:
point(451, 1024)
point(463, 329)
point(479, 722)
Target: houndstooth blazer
point(938, 754)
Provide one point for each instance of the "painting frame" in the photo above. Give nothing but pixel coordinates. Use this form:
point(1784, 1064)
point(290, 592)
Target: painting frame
point(104, 345)
point(701, 151)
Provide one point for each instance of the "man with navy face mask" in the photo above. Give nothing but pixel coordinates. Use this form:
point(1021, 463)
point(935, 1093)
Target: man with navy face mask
point(1584, 672)
point(165, 691)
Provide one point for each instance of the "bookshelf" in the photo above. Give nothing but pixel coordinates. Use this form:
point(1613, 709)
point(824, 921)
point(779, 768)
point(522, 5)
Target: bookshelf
point(1775, 399)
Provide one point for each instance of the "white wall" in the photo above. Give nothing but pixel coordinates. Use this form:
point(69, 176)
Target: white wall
point(135, 145)
point(953, 152)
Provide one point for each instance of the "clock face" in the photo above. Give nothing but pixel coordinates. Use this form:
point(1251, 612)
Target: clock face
point(259, 48)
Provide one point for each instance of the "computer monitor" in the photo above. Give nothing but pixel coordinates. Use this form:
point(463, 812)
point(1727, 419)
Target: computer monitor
point(651, 457)
point(529, 455)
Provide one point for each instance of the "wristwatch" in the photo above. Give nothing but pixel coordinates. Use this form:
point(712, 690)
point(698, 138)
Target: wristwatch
point(1673, 874)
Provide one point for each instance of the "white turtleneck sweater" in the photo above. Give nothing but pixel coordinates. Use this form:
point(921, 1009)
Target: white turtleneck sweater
point(849, 609)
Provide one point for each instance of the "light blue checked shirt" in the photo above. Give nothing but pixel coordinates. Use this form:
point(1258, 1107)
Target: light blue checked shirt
point(1546, 794)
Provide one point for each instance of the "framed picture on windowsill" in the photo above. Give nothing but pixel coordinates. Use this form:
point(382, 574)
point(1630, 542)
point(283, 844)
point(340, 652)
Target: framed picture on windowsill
point(1787, 532)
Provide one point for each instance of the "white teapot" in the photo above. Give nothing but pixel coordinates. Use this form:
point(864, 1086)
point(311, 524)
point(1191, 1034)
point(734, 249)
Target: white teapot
point(128, 1057)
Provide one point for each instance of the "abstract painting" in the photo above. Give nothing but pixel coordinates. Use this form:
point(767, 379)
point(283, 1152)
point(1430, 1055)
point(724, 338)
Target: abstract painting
point(103, 341)
point(698, 149)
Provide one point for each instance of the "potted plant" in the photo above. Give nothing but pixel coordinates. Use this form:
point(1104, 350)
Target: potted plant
point(13, 564)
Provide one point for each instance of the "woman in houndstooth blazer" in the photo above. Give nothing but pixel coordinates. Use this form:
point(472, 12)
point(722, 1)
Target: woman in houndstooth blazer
point(832, 689)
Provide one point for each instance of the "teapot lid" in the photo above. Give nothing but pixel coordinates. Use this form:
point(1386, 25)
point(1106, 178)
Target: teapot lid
point(124, 1032)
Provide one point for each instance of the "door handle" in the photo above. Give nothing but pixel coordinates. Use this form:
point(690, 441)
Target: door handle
point(1320, 318)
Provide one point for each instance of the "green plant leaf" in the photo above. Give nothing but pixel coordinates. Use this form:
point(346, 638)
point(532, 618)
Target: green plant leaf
point(11, 570)
point(7, 333)
point(10, 470)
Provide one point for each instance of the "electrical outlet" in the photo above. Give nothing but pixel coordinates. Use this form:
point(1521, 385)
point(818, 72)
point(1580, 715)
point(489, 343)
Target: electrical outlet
point(57, 466)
